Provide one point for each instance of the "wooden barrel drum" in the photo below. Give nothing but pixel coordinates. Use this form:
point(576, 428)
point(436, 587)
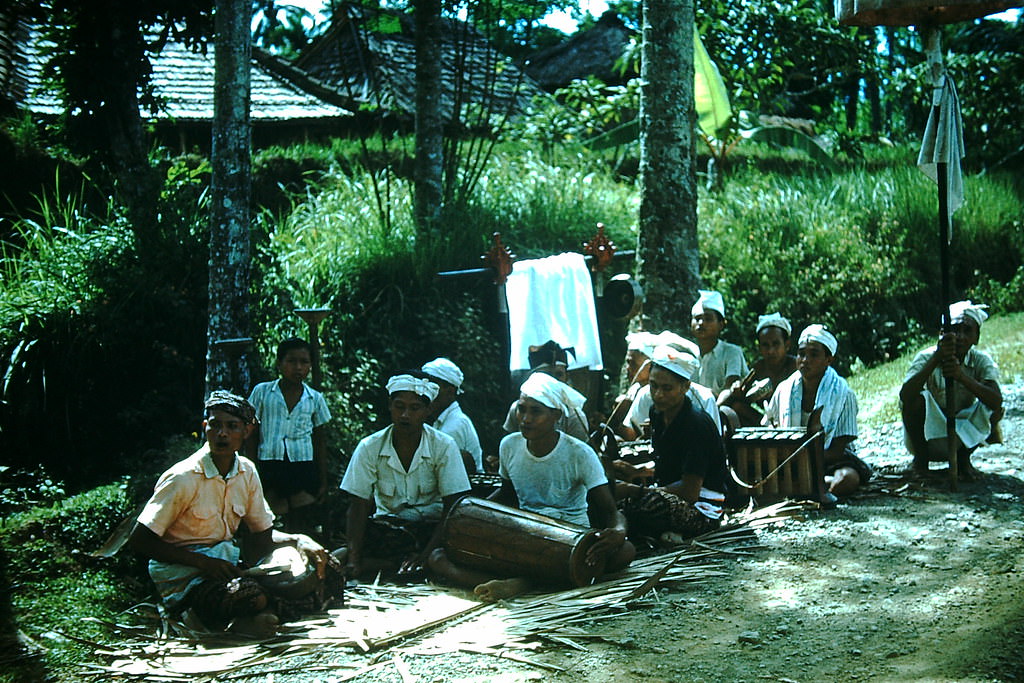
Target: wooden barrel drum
point(490, 537)
point(756, 452)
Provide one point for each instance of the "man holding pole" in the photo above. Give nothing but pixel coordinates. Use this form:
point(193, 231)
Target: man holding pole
point(973, 378)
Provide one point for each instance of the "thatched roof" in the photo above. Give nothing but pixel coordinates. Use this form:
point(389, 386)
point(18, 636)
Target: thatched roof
point(182, 80)
point(377, 68)
point(592, 52)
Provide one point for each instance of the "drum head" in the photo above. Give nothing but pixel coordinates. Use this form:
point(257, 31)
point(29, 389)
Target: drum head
point(622, 297)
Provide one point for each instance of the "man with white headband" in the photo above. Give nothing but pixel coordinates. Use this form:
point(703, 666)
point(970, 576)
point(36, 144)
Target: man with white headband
point(975, 378)
point(721, 363)
point(408, 475)
point(689, 458)
point(749, 396)
point(553, 474)
point(446, 413)
point(572, 421)
point(639, 410)
point(816, 386)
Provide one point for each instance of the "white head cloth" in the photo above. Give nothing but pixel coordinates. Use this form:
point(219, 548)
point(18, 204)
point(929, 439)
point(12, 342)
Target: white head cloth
point(420, 387)
point(975, 312)
point(644, 342)
point(773, 320)
point(709, 299)
point(444, 370)
point(681, 363)
point(674, 339)
point(818, 333)
point(547, 390)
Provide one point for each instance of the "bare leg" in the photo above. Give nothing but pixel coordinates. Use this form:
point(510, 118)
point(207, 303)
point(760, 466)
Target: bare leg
point(965, 469)
point(913, 422)
point(442, 566)
point(487, 588)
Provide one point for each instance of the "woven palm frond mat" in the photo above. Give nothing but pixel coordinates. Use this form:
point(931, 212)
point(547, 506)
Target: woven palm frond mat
point(382, 625)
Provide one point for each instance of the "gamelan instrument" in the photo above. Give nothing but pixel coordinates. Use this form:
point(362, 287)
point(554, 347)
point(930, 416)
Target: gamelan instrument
point(490, 537)
point(773, 463)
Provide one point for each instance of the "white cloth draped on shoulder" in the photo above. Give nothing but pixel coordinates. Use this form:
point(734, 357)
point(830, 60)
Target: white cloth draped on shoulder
point(834, 397)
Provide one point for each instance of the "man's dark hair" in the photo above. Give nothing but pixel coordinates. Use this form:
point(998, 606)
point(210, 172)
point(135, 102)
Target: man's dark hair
point(292, 344)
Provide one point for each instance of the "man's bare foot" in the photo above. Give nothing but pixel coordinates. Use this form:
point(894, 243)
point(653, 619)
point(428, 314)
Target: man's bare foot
point(921, 470)
point(968, 472)
point(500, 589)
point(262, 625)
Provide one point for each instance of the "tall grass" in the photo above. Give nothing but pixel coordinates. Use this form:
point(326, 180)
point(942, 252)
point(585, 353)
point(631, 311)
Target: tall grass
point(857, 250)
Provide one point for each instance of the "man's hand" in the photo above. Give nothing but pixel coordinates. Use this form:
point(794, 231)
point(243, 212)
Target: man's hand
point(951, 368)
point(313, 553)
point(608, 542)
point(946, 346)
point(412, 564)
point(216, 568)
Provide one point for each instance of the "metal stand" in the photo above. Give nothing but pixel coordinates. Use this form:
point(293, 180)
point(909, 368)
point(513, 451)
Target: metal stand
point(313, 318)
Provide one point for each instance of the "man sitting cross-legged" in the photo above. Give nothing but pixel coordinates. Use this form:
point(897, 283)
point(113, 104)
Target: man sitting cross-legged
point(406, 475)
point(188, 527)
point(817, 389)
point(689, 458)
point(549, 473)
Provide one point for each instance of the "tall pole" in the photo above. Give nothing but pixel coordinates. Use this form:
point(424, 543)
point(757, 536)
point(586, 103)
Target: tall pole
point(933, 52)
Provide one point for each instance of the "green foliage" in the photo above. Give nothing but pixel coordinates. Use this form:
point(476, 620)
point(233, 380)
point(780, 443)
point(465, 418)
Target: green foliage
point(787, 57)
point(60, 535)
point(22, 490)
point(858, 251)
point(45, 555)
point(96, 336)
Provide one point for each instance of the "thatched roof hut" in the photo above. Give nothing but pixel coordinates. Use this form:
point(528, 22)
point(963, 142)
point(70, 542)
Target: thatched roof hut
point(368, 56)
point(591, 52)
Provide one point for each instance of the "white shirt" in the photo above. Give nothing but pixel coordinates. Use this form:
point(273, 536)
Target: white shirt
point(724, 360)
point(284, 431)
point(701, 396)
point(456, 424)
point(834, 397)
point(436, 471)
point(555, 485)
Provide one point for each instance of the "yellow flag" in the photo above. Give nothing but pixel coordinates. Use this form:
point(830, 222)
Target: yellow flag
point(709, 94)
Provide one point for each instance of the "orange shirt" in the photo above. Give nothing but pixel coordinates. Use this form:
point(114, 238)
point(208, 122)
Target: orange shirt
point(192, 504)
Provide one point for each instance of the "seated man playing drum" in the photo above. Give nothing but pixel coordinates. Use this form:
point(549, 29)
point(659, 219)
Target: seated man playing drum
point(552, 360)
point(689, 457)
point(978, 399)
point(553, 474)
point(407, 476)
point(188, 527)
point(816, 385)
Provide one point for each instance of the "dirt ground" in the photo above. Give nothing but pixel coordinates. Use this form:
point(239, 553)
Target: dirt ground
point(907, 581)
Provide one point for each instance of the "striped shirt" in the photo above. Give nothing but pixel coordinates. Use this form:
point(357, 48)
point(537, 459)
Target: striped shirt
point(284, 434)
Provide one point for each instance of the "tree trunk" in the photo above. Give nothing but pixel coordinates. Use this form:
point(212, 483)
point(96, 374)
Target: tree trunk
point(429, 122)
point(667, 257)
point(230, 195)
